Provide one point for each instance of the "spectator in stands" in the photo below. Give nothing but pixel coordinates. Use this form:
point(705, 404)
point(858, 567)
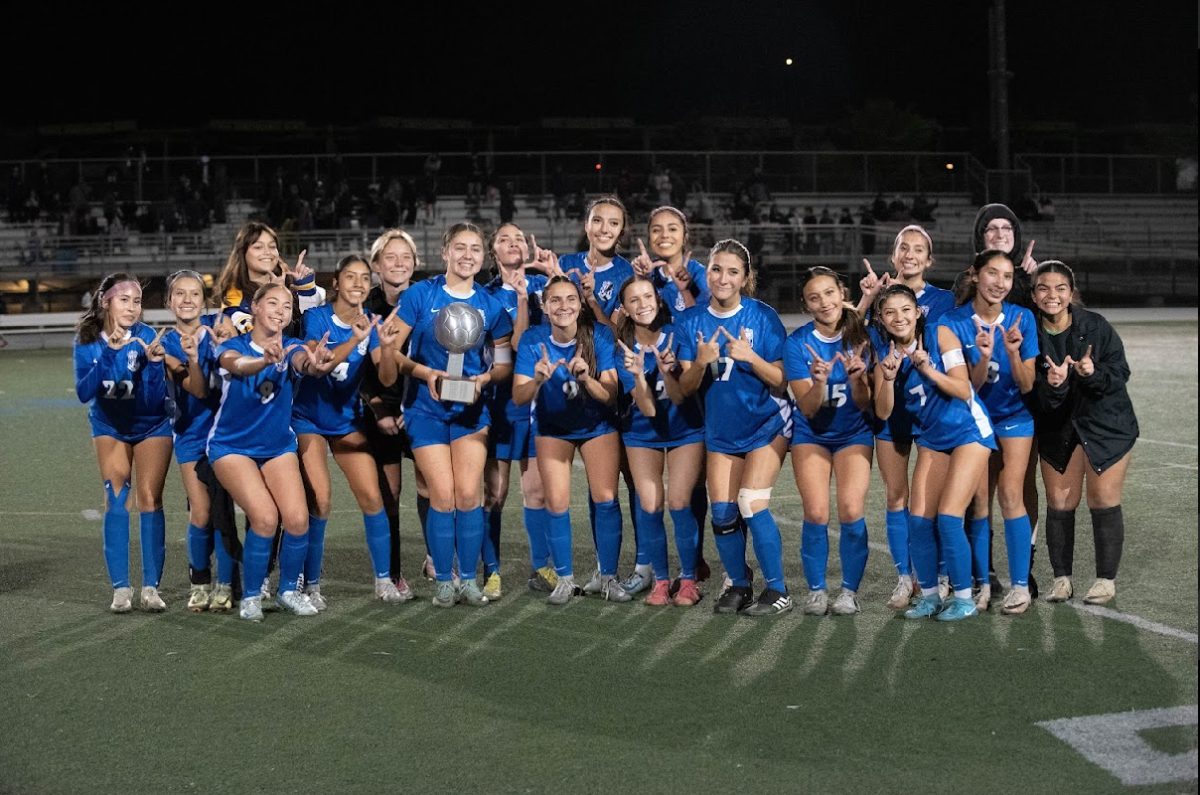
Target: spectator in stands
point(1046, 208)
point(475, 181)
point(811, 243)
point(428, 190)
point(508, 202)
point(879, 207)
point(825, 235)
point(679, 191)
point(1026, 208)
point(845, 221)
point(898, 210)
point(558, 189)
point(432, 165)
point(703, 213)
point(776, 215)
point(922, 210)
point(408, 202)
point(866, 224)
point(17, 193)
point(576, 206)
point(661, 184)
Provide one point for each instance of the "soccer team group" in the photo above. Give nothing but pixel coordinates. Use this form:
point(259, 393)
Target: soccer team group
point(660, 370)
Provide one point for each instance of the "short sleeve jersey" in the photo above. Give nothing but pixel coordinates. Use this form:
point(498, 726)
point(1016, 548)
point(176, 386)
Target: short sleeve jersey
point(193, 415)
point(671, 425)
point(943, 422)
point(500, 395)
point(608, 279)
point(669, 290)
point(839, 419)
point(999, 392)
point(563, 407)
point(255, 417)
point(127, 391)
point(330, 403)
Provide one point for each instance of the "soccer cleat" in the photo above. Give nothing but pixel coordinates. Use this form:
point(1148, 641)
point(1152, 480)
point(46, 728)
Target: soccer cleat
point(817, 603)
point(468, 591)
point(1101, 592)
point(612, 591)
point(404, 589)
point(846, 603)
point(428, 570)
point(222, 598)
point(1061, 590)
point(538, 582)
point(268, 604)
point(770, 603)
point(659, 595)
point(550, 575)
point(491, 588)
point(943, 587)
point(122, 600)
point(957, 609)
point(296, 602)
point(251, 608)
point(151, 601)
point(564, 589)
point(199, 598)
point(735, 598)
point(925, 607)
point(687, 595)
point(594, 585)
point(386, 591)
point(636, 583)
point(445, 594)
point(1016, 602)
point(983, 600)
point(313, 592)
point(902, 594)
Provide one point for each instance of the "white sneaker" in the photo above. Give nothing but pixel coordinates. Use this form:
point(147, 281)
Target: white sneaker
point(151, 601)
point(222, 598)
point(313, 592)
point(268, 603)
point(122, 600)
point(1016, 601)
point(983, 600)
point(564, 589)
point(251, 608)
point(386, 591)
point(1101, 592)
point(902, 594)
point(846, 603)
point(594, 585)
point(817, 603)
point(1061, 591)
point(612, 591)
point(296, 602)
point(199, 598)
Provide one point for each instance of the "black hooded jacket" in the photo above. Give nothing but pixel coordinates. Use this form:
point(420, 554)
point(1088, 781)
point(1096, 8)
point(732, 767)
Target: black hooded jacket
point(1022, 289)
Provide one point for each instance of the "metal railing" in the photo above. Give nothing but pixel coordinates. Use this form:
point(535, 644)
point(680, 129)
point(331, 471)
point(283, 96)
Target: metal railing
point(1111, 173)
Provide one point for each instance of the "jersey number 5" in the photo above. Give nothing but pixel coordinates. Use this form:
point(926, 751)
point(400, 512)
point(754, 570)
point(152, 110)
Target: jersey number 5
point(835, 395)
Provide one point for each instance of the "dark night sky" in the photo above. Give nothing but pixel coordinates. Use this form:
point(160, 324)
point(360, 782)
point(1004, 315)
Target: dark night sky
point(1088, 63)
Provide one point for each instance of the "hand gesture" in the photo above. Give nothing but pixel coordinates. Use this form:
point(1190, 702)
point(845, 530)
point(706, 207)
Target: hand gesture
point(889, 366)
point(856, 363)
point(515, 278)
point(919, 357)
point(190, 344)
point(665, 357)
point(587, 283)
point(224, 330)
point(818, 368)
point(1056, 374)
point(634, 361)
point(361, 326)
point(579, 368)
point(738, 348)
point(708, 351)
point(545, 368)
point(869, 284)
point(544, 260)
point(643, 264)
point(983, 338)
point(273, 352)
point(1028, 263)
point(301, 272)
point(1013, 339)
point(154, 349)
point(388, 330)
point(1084, 366)
point(681, 276)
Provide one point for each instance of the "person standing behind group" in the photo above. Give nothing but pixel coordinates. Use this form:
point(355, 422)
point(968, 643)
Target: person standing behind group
point(1086, 429)
point(119, 372)
point(600, 270)
point(254, 261)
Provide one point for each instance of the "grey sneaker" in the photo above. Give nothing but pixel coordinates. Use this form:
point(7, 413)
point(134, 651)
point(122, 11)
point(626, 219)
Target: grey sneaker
point(222, 598)
point(817, 603)
point(151, 601)
point(405, 590)
point(611, 590)
point(296, 602)
point(251, 608)
point(469, 592)
point(313, 592)
point(122, 600)
point(386, 591)
point(902, 594)
point(445, 595)
point(846, 603)
point(637, 582)
point(199, 597)
point(564, 589)
point(594, 585)
point(944, 589)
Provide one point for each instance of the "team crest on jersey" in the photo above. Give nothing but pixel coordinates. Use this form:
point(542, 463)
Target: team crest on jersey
point(362, 346)
point(131, 361)
point(679, 305)
point(748, 333)
point(606, 291)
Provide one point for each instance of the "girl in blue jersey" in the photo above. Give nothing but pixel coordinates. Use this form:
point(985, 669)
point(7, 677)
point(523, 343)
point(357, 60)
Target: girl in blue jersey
point(924, 373)
point(1001, 346)
point(451, 438)
point(254, 261)
point(511, 438)
point(731, 352)
point(912, 257)
point(252, 447)
point(600, 270)
point(567, 365)
point(662, 427)
point(826, 364)
point(119, 371)
point(195, 390)
point(327, 416)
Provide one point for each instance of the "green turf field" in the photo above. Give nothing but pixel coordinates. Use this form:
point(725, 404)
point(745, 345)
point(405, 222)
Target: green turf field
point(523, 697)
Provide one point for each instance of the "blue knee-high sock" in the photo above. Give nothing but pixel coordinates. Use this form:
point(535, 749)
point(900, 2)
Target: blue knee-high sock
point(558, 536)
point(379, 543)
point(897, 536)
point(199, 546)
point(814, 553)
point(441, 542)
point(978, 530)
point(468, 540)
point(592, 517)
point(1017, 535)
point(225, 561)
point(853, 551)
point(539, 544)
point(608, 536)
point(256, 550)
point(955, 551)
point(315, 554)
point(153, 529)
point(491, 541)
point(652, 539)
point(116, 536)
point(768, 548)
point(731, 546)
point(923, 550)
point(423, 518)
point(941, 563)
point(687, 541)
point(293, 550)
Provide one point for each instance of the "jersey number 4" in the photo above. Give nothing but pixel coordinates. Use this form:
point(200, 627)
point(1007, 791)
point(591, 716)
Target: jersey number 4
point(118, 390)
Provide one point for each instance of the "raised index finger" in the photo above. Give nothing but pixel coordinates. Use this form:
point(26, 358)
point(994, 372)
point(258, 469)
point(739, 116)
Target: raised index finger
point(814, 354)
point(1088, 353)
point(867, 263)
point(642, 247)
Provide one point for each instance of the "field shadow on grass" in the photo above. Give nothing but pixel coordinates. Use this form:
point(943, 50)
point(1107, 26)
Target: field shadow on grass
point(27, 574)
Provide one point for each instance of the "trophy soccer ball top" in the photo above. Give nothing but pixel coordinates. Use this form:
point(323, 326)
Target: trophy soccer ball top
point(458, 328)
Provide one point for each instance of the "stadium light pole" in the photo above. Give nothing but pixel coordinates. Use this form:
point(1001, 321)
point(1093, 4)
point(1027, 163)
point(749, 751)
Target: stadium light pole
point(999, 76)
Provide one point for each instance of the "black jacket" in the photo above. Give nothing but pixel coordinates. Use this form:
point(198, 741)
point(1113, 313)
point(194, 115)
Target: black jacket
point(1097, 409)
point(391, 397)
point(1022, 289)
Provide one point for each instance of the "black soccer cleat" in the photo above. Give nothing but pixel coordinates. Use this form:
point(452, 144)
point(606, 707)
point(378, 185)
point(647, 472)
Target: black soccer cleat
point(735, 599)
point(770, 603)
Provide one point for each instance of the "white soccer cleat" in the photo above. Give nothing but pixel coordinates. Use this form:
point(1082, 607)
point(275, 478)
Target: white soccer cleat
point(199, 598)
point(817, 603)
point(313, 592)
point(386, 591)
point(1102, 592)
point(251, 608)
point(902, 594)
point(1061, 590)
point(122, 601)
point(222, 598)
point(151, 601)
point(296, 602)
point(846, 603)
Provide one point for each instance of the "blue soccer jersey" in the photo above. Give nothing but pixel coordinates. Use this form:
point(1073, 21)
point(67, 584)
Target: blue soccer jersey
point(934, 302)
point(671, 425)
point(193, 415)
point(999, 392)
point(419, 305)
point(901, 426)
point(740, 411)
point(839, 420)
point(255, 416)
point(500, 395)
point(944, 422)
point(562, 406)
point(329, 404)
point(127, 392)
point(608, 279)
point(670, 291)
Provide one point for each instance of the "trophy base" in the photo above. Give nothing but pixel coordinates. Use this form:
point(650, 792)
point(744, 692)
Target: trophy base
point(455, 390)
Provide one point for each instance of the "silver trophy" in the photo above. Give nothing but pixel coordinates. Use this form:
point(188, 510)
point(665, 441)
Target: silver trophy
point(458, 328)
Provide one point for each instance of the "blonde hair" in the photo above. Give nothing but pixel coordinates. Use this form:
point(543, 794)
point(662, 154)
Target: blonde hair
point(387, 237)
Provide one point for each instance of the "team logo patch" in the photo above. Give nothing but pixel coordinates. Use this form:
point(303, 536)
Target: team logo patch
point(679, 305)
point(749, 335)
point(606, 291)
point(362, 346)
point(131, 361)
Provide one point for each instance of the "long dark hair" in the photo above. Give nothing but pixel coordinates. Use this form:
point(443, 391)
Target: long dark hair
point(626, 328)
point(1061, 268)
point(236, 274)
point(585, 325)
point(91, 322)
point(964, 286)
point(851, 325)
point(897, 288)
point(349, 259)
point(583, 244)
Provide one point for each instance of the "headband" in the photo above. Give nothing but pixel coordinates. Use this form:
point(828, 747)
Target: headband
point(129, 285)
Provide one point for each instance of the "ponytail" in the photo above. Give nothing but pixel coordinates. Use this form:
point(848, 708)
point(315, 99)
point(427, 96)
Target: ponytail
point(91, 322)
